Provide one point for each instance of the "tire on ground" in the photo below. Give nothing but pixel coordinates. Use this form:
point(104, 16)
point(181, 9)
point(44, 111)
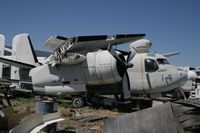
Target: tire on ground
point(78, 102)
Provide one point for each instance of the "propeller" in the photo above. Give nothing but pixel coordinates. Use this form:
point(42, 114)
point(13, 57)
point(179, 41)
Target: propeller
point(139, 46)
point(122, 64)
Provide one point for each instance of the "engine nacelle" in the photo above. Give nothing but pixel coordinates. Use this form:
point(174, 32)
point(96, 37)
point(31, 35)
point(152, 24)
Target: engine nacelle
point(100, 68)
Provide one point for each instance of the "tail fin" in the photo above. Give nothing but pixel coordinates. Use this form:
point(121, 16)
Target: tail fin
point(2, 44)
point(22, 51)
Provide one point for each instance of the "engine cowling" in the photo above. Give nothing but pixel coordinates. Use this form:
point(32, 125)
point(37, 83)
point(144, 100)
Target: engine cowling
point(101, 68)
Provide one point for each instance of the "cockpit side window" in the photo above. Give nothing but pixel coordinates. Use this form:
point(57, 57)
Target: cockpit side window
point(163, 61)
point(198, 73)
point(151, 65)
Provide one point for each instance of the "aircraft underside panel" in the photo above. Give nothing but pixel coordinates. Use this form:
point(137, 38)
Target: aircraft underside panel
point(61, 89)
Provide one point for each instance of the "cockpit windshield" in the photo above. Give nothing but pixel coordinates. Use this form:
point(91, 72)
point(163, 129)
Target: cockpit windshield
point(162, 61)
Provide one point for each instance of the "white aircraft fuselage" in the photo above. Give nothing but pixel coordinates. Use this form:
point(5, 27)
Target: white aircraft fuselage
point(100, 72)
point(152, 73)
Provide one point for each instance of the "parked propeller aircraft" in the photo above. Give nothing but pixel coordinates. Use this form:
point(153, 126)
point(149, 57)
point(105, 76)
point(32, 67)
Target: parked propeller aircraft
point(192, 82)
point(90, 63)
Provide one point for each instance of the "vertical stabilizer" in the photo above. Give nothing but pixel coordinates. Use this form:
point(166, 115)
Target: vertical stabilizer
point(23, 52)
point(2, 44)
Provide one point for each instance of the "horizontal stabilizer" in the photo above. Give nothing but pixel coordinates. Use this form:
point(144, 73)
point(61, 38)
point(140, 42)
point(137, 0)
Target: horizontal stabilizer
point(8, 49)
point(82, 43)
point(16, 63)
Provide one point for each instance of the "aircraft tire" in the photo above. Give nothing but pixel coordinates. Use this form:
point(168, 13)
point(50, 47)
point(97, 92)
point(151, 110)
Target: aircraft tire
point(78, 102)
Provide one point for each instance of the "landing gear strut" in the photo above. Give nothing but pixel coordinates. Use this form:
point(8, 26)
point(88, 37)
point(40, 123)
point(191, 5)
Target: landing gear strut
point(124, 103)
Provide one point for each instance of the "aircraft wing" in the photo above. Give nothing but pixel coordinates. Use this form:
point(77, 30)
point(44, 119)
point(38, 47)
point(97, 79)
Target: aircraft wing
point(171, 54)
point(16, 63)
point(83, 43)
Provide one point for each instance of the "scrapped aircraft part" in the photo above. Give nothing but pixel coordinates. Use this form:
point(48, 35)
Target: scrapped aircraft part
point(152, 120)
point(36, 122)
point(29, 122)
point(168, 117)
point(187, 114)
point(47, 124)
point(99, 70)
point(5, 92)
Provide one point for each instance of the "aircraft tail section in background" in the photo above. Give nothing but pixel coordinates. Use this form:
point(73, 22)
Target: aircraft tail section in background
point(2, 44)
point(22, 51)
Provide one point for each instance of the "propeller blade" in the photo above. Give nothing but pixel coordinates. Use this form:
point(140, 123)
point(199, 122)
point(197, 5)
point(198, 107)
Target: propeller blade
point(125, 64)
point(123, 52)
point(131, 54)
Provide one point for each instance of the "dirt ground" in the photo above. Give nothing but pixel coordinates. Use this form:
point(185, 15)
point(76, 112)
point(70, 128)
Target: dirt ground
point(86, 119)
point(79, 120)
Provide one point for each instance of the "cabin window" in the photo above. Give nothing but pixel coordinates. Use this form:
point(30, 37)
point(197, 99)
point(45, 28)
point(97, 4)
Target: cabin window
point(198, 73)
point(163, 61)
point(151, 65)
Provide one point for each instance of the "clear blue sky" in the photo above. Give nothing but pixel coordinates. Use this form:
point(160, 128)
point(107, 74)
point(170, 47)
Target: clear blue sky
point(171, 25)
